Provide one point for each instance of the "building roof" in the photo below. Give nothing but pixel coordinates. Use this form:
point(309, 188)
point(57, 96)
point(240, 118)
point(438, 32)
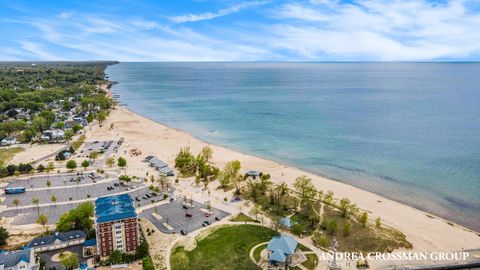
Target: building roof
point(57, 236)
point(165, 170)
point(277, 256)
point(114, 207)
point(157, 163)
point(90, 242)
point(287, 222)
point(12, 258)
point(285, 243)
point(253, 173)
point(148, 158)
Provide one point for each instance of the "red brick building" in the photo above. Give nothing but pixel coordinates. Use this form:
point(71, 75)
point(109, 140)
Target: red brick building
point(116, 225)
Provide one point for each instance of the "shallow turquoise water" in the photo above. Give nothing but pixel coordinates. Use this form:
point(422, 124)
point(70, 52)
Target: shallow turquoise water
point(409, 131)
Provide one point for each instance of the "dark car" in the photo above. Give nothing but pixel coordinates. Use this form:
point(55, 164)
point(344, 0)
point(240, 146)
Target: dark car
point(188, 214)
point(183, 232)
point(185, 207)
point(217, 218)
point(154, 193)
point(116, 184)
point(137, 199)
point(206, 223)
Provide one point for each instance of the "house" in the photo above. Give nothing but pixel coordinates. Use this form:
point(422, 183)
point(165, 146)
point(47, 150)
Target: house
point(89, 248)
point(9, 141)
point(281, 249)
point(116, 224)
point(53, 135)
point(18, 260)
point(57, 240)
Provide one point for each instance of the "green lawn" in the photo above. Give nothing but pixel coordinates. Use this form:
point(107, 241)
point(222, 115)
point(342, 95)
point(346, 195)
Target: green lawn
point(226, 248)
point(311, 261)
point(6, 154)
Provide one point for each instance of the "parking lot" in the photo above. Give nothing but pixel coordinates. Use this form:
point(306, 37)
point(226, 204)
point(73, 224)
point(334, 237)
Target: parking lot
point(56, 180)
point(175, 215)
point(29, 215)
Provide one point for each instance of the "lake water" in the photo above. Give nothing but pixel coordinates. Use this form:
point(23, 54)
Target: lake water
point(408, 131)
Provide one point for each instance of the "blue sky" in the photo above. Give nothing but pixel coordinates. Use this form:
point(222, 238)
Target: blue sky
point(224, 30)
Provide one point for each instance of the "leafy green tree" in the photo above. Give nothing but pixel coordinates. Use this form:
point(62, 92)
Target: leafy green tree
point(94, 155)
point(364, 218)
point(3, 236)
point(110, 162)
point(185, 162)
point(121, 162)
point(70, 262)
point(79, 218)
point(147, 263)
point(332, 227)
point(42, 219)
point(206, 153)
point(53, 198)
point(71, 164)
point(142, 250)
point(85, 164)
point(68, 135)
point(298, 228)
point(116, 257)
point(101, 116)
point(49, 183)
point(50, 167)
point(230, 174)
point(345, 207)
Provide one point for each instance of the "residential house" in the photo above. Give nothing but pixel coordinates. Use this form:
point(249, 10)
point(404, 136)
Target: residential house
point(9, 141)
point(18, 260)
point(57, 240)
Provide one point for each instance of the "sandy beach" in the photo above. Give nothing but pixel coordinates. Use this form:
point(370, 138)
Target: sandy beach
point(425, 231)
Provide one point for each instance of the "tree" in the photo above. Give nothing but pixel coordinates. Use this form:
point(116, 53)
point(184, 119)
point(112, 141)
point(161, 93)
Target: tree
point(206, 153)
point(71, 164)
point(346, 229)
point(116, 257)
point(147, 263)
point(101, 116)
point(94, 155)
point(280, 192)
point(16, 202)
point(53, 199)
point(49, 183)
point(70, 262)
point(36, 202)
point(76, 128)
point(307, 190)
point(180, 261)
point(121, 162)
point(3, 236)
point(378, 222)
point(110, 162)
point(50, 167)
point(85, 164)
point(79, 218)
point(42, 219)
point(364, 218)
point(68, 134)
point(185, 162)
point(142, 250)
point(230, 174)
point(298, 228)
point(40, 168)
point(345, 207)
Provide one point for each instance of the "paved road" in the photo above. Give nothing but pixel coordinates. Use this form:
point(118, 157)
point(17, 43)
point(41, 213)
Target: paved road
point(47, 255)
point(175, 214)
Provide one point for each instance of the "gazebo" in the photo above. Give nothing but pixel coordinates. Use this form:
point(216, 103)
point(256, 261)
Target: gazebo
point(280, 249)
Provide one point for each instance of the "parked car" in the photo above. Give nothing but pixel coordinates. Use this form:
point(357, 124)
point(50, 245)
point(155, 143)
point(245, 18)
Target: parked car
point(188, 214)
point(217, 218)
point(185, 207)
point(183, 232)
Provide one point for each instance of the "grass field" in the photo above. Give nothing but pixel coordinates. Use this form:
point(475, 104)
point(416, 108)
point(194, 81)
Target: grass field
point(225, 248)
point(257, 251)
point(6, 154)
point(243, 218)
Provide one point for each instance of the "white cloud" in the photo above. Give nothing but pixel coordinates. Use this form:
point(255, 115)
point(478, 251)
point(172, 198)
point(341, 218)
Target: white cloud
point(377, 30)
point(213, 15)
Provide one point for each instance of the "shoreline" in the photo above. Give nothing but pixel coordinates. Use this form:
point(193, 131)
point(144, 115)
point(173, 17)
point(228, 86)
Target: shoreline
point(426, 231)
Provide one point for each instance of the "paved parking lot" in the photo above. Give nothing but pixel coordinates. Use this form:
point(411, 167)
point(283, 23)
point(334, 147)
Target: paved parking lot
point(56, 180)
point(65, 194)
point(176, 216)
point(29, 215)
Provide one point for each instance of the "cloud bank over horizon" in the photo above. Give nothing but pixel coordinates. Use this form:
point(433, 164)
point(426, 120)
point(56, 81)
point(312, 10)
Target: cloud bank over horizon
point(314, 30)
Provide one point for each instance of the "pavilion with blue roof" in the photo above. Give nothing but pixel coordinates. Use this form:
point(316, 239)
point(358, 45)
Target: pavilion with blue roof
point(114, 207)
point(281, 248)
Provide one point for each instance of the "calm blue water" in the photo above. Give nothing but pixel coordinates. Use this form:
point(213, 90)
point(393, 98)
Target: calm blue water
point(409, 131)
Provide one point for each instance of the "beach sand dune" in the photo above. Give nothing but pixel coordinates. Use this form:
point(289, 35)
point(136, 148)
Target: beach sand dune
point(426, 232)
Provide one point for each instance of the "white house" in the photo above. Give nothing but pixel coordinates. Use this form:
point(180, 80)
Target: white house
point(18, 260)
